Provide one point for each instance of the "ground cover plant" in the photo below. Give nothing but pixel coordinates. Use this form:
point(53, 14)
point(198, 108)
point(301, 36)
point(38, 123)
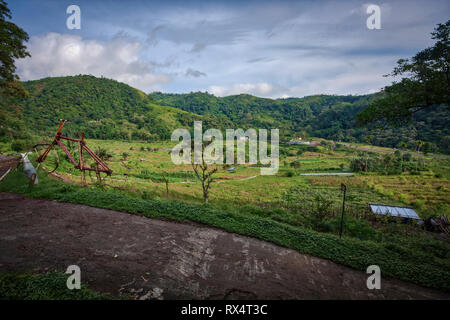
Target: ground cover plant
point(48, 286)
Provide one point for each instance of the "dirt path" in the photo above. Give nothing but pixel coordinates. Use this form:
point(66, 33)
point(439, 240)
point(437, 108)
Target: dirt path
point(119, 252)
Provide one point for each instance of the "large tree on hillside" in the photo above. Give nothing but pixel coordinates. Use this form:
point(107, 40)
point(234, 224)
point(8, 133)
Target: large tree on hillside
point(12, 47)
point(425, 84)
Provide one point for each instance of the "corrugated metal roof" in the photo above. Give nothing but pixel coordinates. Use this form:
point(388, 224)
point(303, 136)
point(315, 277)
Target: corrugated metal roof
point(394, 211)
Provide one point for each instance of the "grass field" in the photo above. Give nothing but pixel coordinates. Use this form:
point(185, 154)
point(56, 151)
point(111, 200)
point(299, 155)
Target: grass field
point(428, 193)
point(399, 250)
point(295, 211)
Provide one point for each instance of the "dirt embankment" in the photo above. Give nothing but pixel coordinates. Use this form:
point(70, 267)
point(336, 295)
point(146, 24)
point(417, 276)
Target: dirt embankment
point(119, 252)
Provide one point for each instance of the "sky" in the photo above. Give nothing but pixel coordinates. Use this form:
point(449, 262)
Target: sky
point(272, 49)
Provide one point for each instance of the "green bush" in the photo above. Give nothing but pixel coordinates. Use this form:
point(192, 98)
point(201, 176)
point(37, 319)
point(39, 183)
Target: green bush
point(407, 156)
point(388, 164)
point(358, 228)
point(18, 146)
point(49, 286)
point(290, 173)
point(295, 164)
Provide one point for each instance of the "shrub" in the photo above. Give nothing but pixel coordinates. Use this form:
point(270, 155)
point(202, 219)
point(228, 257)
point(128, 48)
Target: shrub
point(407, 156)
point(47, 286)
point(103, 154)
point(358, 228)
point(315, 206)
point(290, 173)
point(419, 204)
point(387, 164)
point(295, 164)
point(18, 145)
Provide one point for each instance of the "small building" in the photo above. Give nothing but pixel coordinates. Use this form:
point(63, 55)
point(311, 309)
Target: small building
point(394, 211)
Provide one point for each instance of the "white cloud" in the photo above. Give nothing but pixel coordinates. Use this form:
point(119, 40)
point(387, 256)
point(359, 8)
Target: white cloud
point(262, 89)
point(287, 48)
point(56, 54)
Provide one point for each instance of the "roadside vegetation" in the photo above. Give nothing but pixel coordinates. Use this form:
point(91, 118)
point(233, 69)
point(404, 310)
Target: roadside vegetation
point(49, 286)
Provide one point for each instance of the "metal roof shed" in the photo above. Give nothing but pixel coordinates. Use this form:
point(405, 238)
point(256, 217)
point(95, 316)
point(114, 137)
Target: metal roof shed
point(394, 211)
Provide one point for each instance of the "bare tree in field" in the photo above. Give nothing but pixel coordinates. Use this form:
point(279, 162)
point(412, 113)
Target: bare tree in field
point(204, 174)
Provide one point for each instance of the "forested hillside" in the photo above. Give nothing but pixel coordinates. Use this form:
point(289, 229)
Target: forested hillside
point(107, 109)
point(100, 107)
point(326, 116)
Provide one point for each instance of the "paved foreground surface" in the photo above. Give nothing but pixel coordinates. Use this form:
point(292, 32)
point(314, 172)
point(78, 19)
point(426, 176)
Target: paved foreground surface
point(122, 253)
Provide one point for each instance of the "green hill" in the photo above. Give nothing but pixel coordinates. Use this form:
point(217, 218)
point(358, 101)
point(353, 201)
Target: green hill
point(102, 108)
point(325, 116)
point(107, 109)
point(310, 115)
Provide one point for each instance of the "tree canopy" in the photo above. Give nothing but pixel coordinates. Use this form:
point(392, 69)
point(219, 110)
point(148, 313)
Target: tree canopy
point(107, 109)
point(12, 39)
point(425, 84)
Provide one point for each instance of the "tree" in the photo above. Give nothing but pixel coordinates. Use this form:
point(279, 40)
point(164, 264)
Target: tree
point(426, 84)
point(295, 164)
point(166, 181)
point(402, 146)
point(426, 149)
point(205, 175)
point(18, 145)
point(419, 144)
point(12, 47)
point(103, 154)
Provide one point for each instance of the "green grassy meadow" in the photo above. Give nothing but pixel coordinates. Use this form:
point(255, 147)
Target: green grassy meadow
point(289, 209)
point(428, 192)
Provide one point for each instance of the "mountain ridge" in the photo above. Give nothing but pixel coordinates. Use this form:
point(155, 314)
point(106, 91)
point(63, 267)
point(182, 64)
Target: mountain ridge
point(107, 109)
point(325, 116)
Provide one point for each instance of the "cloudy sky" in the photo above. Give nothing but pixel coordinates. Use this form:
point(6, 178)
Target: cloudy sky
point(266, 48)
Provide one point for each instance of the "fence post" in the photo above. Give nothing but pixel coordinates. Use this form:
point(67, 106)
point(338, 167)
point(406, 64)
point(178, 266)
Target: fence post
point(344, 189)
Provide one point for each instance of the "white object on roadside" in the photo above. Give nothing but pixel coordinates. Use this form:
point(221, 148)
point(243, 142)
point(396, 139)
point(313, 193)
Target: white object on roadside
point(28, 168)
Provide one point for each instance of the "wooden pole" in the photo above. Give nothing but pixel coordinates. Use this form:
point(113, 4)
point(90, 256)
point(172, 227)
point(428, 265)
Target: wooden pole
point(344, 189)
point(80, 159)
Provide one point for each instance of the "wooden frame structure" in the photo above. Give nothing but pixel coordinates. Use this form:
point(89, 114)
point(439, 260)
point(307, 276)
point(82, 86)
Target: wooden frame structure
point(100, 165)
